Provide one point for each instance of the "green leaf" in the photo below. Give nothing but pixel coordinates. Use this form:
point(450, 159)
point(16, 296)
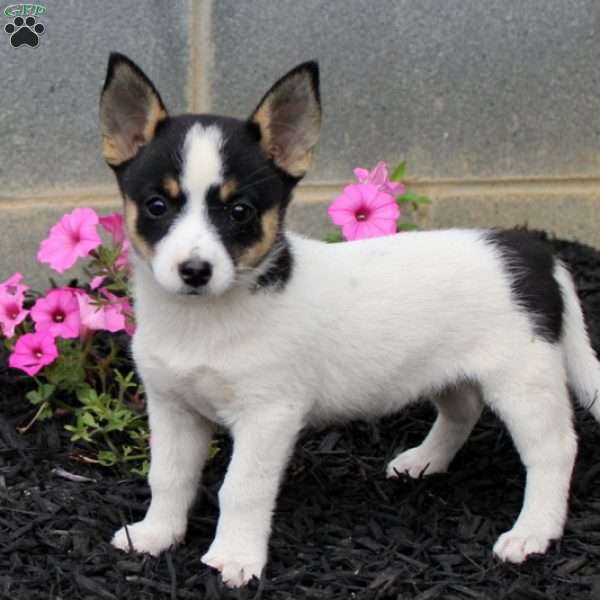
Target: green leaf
point(87, 395)
point(46, 390)
point(45, 413)
point(334, 237)
point(406, 197)
point(399, 173)
point(42, 394)
point(88, 419)
point(143, 470)
point(78, 433)
point(107, 458)
point(34, 396)
point(422, 200)
point(67, 372)
point(407, 227)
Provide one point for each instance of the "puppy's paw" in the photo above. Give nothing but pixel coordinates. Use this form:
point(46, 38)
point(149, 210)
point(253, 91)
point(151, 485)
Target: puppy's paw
point(237, 567)
point(515, 546)
point(417, 462)
point(151, 538)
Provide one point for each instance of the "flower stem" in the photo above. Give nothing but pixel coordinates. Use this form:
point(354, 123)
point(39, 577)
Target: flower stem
point(43, 405)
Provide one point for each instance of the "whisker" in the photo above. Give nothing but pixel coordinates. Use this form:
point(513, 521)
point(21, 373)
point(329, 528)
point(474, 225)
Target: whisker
point(177, 159)
point(263, 168)
point(254, 183)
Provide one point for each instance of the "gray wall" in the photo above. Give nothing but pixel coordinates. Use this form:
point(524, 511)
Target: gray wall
point(493, 102)
point(462, 88)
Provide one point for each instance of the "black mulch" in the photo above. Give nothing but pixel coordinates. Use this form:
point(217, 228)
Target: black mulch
point(341, 530)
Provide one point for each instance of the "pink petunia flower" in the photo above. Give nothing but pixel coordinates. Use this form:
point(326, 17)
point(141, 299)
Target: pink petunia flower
point(122, 261)
point(11, 312)
point(113, 224)
point(97, 281)
point(33, 351)
point(362, 211)
point(99, 316)
point(380, 179)
point(125, 308)
point(14, 286)
point(72, 237)
point(57, 314)
point(12, 296)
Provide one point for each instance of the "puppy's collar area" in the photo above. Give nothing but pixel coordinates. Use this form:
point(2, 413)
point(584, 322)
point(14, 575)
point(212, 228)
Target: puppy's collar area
point(278, 267)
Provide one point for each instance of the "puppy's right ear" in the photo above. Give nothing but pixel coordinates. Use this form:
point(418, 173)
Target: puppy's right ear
point(130, 110)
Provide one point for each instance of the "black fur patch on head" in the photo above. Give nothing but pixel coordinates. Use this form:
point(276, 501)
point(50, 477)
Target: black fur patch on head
point(143, 179)
point(263, 158)
point(530, 265)
point(262, 189)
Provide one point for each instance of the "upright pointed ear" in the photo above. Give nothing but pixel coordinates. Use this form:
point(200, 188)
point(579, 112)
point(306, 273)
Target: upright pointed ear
point(289, 119)
point(130, 110)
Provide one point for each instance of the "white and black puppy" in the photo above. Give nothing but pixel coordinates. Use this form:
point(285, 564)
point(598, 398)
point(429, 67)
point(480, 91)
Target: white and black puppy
point(245, 325)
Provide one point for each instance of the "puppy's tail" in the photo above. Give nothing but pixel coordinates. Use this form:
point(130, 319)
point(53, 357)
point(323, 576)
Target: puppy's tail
point(583, 368)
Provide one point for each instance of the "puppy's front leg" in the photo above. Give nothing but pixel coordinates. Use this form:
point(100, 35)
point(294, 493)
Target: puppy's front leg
point(179, 448)
point(262, 446)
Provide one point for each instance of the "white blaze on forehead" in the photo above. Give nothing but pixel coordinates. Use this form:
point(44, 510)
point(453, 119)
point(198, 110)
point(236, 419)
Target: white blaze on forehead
point(192, 234)
point(202, 163)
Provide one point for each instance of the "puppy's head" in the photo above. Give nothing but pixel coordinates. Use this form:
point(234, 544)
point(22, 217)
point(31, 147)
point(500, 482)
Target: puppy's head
point(205, 196)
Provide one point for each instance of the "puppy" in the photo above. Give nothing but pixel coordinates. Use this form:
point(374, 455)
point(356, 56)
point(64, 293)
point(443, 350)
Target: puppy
point(246, 325)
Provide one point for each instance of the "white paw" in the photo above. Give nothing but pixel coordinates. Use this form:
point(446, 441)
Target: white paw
point(237, 567)
point(146, 537)
point(415, 463)
point(516, 546)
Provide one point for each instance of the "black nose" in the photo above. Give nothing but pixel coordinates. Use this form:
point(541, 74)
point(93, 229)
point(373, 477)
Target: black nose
point(195, 272)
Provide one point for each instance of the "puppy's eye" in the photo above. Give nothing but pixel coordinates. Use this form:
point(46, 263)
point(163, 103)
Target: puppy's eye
point(156, 207)
point(242, 212)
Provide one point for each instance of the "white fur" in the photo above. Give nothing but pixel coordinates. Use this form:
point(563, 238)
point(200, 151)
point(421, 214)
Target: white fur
point(582, 367)
point(192, 235)
point(360, 330)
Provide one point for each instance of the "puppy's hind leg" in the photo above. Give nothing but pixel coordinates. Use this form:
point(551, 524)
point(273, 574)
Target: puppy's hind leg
point(459, 408)
point(532, 400)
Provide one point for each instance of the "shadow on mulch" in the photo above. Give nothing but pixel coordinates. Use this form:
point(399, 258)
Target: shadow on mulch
point(341, 529)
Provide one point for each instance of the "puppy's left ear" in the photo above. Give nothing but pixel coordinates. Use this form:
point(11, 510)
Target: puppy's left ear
point(289, 119)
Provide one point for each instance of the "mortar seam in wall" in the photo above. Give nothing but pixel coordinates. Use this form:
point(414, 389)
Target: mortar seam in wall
point(201, 55)
point(318, 192)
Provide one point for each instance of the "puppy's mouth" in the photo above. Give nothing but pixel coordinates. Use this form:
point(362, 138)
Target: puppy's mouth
point(193, 292)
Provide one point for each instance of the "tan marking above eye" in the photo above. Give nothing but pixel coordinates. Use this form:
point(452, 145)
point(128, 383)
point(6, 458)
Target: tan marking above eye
point(131, 217)
point(251, 256)
point(228, 189)
point(171, 186)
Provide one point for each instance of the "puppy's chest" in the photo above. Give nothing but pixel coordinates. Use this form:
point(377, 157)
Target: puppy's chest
point(184, 370)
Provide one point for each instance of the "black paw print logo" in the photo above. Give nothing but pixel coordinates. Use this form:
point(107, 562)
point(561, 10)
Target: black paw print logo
point(24, 31)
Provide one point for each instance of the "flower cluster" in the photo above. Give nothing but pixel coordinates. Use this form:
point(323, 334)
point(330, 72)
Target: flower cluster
point(371, 207)
point(68, 313)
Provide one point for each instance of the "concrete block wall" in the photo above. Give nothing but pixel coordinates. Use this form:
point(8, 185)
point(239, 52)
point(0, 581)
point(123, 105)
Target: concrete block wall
point(495, 104)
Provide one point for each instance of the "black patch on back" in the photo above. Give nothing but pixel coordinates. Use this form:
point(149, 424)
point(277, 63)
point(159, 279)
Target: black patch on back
point(530, 265)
